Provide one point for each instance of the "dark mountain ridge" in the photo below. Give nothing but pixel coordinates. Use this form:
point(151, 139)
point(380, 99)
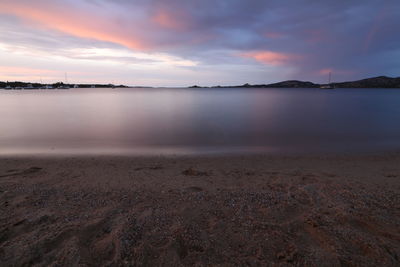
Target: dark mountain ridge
point(375, 82)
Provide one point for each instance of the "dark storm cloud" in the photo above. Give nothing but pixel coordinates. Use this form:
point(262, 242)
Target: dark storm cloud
point(352, 38)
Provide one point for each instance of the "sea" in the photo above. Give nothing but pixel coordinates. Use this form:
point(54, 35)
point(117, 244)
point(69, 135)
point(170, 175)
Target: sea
point(157, 121)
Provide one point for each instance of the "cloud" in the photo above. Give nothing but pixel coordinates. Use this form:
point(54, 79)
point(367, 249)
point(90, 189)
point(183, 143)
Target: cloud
point(71, 19)
point(169, 20)
point(274, 35)
point(11, 70)
point(352, 38)
point(270, 58)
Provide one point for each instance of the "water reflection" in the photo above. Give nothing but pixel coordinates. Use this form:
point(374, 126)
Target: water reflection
point(198, 120)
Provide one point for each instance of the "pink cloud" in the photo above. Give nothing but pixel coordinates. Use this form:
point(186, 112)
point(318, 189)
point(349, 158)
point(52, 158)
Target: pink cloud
point(314, 36)
point(270, 58)
point(71, 21)
point(274, 35)
point(11, 73)
point(32, 71)
point(324, 72)
point(168, 20)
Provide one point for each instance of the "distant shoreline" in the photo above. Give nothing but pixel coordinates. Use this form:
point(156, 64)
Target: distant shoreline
point(375, 82)
point(49, 86)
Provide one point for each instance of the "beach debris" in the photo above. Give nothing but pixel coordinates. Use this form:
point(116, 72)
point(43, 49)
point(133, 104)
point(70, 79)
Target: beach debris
point(288, 255)
point(19, 222)
point(194, 189)
point(155, 167)
point(32, 170)
point(192, 172)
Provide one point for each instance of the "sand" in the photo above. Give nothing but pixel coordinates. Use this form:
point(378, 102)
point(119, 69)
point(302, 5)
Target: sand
point(200, 210)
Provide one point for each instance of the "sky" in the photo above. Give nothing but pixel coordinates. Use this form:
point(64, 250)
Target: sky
point(202, 42)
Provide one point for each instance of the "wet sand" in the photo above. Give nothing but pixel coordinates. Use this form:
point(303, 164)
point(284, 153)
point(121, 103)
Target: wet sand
point(200, 210)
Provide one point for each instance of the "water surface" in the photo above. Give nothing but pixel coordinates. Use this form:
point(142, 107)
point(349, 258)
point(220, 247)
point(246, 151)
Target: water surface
point(158, 121)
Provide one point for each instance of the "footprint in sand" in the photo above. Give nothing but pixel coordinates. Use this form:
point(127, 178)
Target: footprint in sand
point(21, 172)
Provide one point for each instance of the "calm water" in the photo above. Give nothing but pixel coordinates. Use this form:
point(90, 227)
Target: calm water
point(199, 120)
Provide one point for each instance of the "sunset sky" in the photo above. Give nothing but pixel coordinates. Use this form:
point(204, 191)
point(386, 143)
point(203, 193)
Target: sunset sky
point(205, 42)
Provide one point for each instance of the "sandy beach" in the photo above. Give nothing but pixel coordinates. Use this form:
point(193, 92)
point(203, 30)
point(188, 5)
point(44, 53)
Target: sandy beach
point(249, 210)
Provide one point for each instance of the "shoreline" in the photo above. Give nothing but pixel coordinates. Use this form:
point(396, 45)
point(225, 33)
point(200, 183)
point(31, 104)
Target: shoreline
point(329, 209)
point(201, 152)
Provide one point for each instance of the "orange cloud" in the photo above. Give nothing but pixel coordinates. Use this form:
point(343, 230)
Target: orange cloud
point(71, 21)
point(269, 57)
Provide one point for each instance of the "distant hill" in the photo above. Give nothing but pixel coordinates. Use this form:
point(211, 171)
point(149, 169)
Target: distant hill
point(376, 82)
point(293, 84)
point(284, 84)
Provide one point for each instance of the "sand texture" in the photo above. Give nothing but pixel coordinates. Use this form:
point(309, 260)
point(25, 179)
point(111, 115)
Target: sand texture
point(200, 210)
